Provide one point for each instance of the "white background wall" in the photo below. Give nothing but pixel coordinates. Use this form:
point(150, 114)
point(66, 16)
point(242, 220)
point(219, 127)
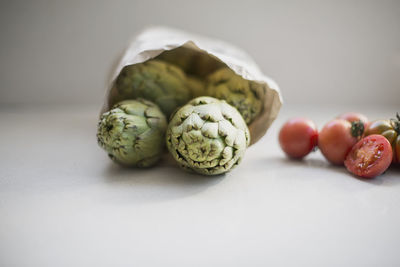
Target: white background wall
point(59, 52)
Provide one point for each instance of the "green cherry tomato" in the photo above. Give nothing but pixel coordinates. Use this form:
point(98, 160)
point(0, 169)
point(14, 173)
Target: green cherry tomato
point(389, 129)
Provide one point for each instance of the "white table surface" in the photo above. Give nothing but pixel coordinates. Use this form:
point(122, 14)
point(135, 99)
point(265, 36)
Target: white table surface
point(63, 203)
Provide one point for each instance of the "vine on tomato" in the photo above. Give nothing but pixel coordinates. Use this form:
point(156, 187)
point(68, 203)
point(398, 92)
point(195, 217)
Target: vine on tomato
point(298, 137)
point(370, 157)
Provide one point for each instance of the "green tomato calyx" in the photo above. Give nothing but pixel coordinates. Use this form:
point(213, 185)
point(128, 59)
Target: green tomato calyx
point(396, 123)
point(357, 128)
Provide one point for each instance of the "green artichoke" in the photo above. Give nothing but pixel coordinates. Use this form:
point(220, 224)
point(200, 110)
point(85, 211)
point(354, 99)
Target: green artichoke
point(207, 136)
point(157, 81)
point(244, 95)
point(133, 132)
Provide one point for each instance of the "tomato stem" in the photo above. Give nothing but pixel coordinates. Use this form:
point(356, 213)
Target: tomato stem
point(357, 128)
point(396, 123)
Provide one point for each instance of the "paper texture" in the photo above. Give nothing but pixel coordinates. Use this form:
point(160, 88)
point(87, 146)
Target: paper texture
point(153, 41)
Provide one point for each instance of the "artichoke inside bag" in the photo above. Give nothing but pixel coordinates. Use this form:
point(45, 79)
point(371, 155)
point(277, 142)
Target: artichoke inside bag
point(160, 82)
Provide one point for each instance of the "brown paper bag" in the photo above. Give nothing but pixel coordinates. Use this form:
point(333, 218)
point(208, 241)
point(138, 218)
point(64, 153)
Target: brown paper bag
point(199, 56)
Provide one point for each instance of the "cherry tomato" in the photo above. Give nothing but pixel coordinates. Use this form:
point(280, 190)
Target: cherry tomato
point(389, 129)
point(337, 138)
point(353, 116)
point(298, 137)
point(370, 157)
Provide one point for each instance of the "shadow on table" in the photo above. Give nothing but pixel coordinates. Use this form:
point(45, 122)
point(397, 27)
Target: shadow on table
point(390, 178)
point(164, 181)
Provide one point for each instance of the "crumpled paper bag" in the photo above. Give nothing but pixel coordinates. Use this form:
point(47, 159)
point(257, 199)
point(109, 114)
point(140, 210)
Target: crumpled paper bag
point(209, 54)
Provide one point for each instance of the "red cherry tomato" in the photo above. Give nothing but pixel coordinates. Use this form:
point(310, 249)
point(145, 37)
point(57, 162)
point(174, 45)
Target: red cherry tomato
point(353, 116)
point(370, 157)
point(298, 137)
point(337, 138)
